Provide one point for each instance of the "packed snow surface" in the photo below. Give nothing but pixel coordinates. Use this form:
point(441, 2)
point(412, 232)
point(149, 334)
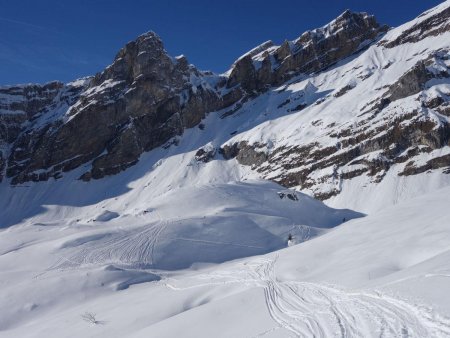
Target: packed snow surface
point(381, 275)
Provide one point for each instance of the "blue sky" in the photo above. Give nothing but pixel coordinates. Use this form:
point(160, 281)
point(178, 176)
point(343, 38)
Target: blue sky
point(62, 40)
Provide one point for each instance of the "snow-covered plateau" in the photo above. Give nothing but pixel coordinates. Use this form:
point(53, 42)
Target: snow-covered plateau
point(283, 198)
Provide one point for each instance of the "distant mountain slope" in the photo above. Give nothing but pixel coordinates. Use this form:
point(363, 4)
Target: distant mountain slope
point(342, 107)
point(379, 116)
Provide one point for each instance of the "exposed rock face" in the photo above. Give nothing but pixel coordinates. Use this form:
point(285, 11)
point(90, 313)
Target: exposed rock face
point(297, 165)
point(313, 51)
point(22, 106)
point(433, 25)
point(397, 137)
point(290, 195)
point(146, 98)
point(413, 81)
point(245, 154)
point(25, 108)
point(138, 103)
point(155, 98)
point(205, 154)
point(30, 99)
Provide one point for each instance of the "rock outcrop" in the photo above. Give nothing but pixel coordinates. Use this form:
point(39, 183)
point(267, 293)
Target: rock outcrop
point(382, 136)
point(268, 65)
point(26, 111)
point(136, 104)
point(434, 24)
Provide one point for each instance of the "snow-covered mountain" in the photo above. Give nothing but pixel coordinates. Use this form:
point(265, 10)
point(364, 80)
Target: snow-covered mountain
point(155, 173)
point(345, 106)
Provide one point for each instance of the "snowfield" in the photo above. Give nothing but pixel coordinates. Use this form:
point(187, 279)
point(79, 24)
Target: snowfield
point(146, 254)
point(76, 242)
point(381, 275)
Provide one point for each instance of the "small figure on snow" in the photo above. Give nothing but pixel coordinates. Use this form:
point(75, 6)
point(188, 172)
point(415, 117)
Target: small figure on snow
point(290, 240)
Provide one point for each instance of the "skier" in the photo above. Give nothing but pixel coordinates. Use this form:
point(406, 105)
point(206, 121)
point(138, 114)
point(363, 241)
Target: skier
point(290, 240)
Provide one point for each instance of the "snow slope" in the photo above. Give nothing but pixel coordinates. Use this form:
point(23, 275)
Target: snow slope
point(211, 211)
point(382, 275)
point(313, 110)
point(67, 241)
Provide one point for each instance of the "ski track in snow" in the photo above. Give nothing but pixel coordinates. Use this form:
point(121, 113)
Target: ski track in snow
point(136, 248)
point(217, 243)
point(308, 309)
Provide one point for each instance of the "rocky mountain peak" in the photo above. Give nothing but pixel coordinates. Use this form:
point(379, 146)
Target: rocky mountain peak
point(268, 65)
point(146, 99)
point(139, 58)
point(139, 102)
point(346, 23)
point(394, 97)
point(349, 17)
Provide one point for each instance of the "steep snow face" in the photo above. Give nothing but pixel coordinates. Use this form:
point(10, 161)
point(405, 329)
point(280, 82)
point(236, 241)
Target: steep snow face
point(376, 123)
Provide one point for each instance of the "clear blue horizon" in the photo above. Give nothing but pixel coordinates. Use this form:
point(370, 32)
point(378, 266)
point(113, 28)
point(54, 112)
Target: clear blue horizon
point(47, 40)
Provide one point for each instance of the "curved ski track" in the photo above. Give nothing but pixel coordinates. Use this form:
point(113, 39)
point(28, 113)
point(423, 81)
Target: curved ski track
point(308, 309)
point(135, 248)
